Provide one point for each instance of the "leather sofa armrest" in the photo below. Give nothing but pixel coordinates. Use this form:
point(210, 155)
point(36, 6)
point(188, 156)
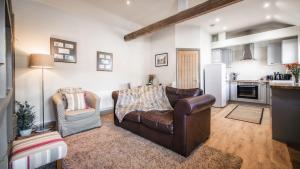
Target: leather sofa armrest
point(114, 96)
point(192, 122)
point(196, 104)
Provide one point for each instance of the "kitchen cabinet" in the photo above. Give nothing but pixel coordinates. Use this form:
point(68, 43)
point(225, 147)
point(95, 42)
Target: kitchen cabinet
point(222, 56)
point(217, 56)
point(285, 113)
point(289, 51)
point(233, 91)
point(227, 91)
point(262, 98)
point(227, 57)
point(2, 32)
point(274, 53)
point(269, 95)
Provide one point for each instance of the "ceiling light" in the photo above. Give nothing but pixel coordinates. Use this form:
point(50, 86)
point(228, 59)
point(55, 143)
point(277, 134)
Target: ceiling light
point(266, 5)
point(268, 17)
point(224, 28)
point(128, 2)
point(217, 20)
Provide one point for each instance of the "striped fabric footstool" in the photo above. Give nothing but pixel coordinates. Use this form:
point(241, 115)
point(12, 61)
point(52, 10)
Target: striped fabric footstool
point(37, 151)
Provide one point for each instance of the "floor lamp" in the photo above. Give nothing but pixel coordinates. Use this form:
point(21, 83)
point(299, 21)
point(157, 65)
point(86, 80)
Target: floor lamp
point(42, 61)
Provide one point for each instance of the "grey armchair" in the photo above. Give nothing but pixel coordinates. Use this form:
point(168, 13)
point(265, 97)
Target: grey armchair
point(71, 122)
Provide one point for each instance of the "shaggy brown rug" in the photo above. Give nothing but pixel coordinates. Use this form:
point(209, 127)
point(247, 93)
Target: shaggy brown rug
point(111, 147)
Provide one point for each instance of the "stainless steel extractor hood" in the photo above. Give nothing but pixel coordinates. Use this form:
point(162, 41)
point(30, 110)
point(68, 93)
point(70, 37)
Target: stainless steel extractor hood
point(248, 52)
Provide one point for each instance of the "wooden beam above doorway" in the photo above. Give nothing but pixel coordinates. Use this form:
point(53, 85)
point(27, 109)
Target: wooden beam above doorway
point(198, 10)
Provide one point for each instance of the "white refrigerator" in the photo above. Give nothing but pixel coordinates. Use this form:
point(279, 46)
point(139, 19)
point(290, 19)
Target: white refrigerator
point(215, 83)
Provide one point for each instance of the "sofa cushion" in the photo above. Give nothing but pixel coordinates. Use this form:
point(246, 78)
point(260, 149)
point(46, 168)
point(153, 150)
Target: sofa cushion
point(134, 116)
point(158, 120)
point(79, 114)
point(175, 94)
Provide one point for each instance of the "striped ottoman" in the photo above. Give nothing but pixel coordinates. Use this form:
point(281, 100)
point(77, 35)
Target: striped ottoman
point(37, 151)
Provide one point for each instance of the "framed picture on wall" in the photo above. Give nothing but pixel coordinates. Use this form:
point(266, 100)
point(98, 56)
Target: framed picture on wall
point(104, 61)
point(63, 50)
point(161, 59)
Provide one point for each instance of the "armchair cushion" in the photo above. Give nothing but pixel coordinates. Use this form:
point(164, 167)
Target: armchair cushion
point(76, 101)
point(79, 114)
point(158, 120)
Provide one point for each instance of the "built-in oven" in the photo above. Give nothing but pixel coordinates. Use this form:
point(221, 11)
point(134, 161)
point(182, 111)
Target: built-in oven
point(247, 91)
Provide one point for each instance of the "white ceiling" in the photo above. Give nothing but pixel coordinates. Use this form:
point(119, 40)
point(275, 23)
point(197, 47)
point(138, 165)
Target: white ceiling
point(145, 12)
point(249, 13)
point(240, 15)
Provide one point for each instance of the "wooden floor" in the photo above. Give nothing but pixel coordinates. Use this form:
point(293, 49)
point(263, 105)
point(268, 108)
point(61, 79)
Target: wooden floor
point(252, 142)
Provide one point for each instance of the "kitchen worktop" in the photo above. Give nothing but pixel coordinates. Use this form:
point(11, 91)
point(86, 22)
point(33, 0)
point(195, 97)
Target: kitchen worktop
point(285, 86)
point(250, 81)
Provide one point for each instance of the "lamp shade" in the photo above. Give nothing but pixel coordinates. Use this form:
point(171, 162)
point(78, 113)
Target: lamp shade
point(41, 61)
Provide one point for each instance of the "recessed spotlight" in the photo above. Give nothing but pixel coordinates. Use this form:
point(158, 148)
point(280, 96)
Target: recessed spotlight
point(128, 2)
point(268, 17)
point(217, 19)
point(224, 28)
point(266, 5)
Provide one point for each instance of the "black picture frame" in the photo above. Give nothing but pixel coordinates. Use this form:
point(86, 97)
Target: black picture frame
point(63, 50)
point(104, 61)
point(161, 59)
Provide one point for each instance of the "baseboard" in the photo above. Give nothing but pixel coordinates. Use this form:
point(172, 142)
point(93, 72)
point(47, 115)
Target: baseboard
point(107, 111)
point(50, 124)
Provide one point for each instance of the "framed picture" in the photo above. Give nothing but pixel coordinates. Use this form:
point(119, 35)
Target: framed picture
point(63, 50)
point(104, 61)
point(161, 59)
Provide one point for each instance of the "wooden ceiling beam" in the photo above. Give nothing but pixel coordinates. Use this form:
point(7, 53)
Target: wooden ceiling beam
point(198, 10)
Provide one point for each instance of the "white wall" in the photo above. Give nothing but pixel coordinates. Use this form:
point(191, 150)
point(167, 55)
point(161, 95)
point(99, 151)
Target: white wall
point(253, 69)
point(163, 41)
point(179, 36)
point(187, 36)
point(205, 52)
point(36, 23)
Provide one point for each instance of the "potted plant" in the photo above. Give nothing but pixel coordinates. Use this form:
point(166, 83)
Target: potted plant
point(25, 118)
point(295, 70)
point(150, 79)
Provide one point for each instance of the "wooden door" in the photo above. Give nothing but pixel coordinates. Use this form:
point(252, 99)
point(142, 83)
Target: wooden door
point(188, 68)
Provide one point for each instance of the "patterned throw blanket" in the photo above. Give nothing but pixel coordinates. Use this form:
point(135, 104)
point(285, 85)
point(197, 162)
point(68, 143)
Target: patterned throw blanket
point(144, 98)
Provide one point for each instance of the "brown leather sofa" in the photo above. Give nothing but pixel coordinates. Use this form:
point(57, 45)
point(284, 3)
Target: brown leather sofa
point(180, 130)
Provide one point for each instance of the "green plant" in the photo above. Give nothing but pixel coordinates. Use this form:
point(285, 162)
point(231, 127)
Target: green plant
point(25, 115)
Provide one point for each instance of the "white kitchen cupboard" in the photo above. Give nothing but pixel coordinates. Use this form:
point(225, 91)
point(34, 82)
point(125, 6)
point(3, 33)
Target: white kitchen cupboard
point(289, 51)
point(269, 95)
point(262, 97)
point(227, 91)
point(2, 32)
point(217, 56)
point(222, 56)
point(274, 53)
point(227, 57)
point(233, 91)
